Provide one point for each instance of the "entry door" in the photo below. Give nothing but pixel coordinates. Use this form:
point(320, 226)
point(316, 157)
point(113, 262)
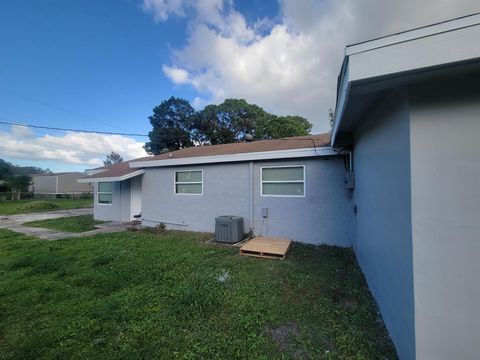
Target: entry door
point(136, 200)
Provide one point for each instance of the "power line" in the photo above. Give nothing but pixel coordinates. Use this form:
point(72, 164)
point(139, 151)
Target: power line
point(71, 130)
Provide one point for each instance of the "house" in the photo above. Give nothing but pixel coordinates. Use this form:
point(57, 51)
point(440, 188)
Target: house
point(409, 107)
point(398, 180)
point(277, 186)
point(59, 185)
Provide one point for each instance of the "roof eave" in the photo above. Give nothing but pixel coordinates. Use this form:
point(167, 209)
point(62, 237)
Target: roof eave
point(112, 178)
point(253, 156)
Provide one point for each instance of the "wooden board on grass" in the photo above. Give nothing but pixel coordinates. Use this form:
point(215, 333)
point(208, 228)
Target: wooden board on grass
point(266, 247)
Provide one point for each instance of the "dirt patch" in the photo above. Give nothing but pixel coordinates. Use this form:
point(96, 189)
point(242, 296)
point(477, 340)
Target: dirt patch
point(285, 337)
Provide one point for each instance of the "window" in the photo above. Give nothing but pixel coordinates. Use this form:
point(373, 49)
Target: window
point(283, 181)
point(189, 182)
point(104, 192)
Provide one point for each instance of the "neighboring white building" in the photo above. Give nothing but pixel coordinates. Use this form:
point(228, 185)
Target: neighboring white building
point(59, 184)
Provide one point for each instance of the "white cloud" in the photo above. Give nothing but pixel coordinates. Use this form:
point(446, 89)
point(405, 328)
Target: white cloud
point(178, 76)
point(84, 149)
point(292, 68)
point(161, 9)
point(22, 131)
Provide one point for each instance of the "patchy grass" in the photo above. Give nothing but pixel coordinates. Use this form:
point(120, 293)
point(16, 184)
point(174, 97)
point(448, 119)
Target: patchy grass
point(137, 295)
point(75, 224)
point(31, 206)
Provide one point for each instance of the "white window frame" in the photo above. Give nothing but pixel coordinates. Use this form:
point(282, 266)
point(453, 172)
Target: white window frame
point(104, 192)
point(283, 181)
point(175, 183)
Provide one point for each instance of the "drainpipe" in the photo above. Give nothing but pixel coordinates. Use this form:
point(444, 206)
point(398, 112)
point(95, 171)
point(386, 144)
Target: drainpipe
point(252, 197)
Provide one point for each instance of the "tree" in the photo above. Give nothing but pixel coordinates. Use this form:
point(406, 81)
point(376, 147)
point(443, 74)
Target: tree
point(17, 184)
point(274, 127)
point(227, 122)
point(176, 125)
point(7, 168)
point(172, 123)
point(112, 158)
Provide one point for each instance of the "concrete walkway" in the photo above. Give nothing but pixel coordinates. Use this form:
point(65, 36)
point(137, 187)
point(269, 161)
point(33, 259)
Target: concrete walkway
point(15, 223)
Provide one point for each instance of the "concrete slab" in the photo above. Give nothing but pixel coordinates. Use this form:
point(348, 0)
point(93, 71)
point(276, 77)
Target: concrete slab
point(15, 223)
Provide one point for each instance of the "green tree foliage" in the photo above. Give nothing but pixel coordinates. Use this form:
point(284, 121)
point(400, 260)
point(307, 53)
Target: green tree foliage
point(7, 169)
point(275, 127)
point(227, 122)
point(172, 123)
point(17, 178)
point(17, 184)
point(112, 158)
point(177, 125)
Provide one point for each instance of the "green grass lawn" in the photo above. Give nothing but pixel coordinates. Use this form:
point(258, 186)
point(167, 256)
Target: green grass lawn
point(170, 296)
point(32, 205)
point(75, 224)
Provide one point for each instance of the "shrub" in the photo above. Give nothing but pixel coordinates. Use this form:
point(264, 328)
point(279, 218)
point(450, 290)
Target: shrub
point(39, 206)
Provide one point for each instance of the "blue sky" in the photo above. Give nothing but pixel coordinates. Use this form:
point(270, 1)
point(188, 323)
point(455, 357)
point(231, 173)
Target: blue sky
point(104, 65)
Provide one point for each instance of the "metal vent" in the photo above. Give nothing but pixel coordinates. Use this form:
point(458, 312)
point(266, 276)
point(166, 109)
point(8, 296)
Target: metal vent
point(229, 228)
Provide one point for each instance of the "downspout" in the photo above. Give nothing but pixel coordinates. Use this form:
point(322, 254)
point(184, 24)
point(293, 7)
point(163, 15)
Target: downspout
point(56, 186)
point(252, 198)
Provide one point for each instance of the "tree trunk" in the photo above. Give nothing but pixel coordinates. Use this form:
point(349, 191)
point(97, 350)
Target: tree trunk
point(13, 195)
point(19, 193)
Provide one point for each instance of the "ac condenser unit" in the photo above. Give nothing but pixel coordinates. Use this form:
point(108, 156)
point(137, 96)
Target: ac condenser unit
point(229, 228)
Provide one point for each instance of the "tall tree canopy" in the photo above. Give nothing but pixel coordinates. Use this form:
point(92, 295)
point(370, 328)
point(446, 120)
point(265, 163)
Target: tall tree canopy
point(227, 122)
point(177, 125)
point(7, 169)
point(112, 158)
point(172, 123)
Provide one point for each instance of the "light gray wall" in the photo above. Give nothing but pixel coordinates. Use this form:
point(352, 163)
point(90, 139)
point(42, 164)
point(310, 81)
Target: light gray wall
point(383, 222)
point(225, 192)
point(67, 183)
point(44, 184)
point(445, 147)
point(391, 55)
point(323, 216)
point(119, 209)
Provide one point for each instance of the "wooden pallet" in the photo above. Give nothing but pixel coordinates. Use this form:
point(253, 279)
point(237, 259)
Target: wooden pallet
point(266, 248)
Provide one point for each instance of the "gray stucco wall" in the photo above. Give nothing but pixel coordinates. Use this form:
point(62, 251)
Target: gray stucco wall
point(323, 216)
point(119, 209)
point(383, 222)
point(445, 147)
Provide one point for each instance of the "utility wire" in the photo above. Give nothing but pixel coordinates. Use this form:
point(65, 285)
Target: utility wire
point(71, 130)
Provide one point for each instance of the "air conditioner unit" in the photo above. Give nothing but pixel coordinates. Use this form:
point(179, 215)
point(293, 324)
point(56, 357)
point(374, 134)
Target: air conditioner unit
point(229, 228)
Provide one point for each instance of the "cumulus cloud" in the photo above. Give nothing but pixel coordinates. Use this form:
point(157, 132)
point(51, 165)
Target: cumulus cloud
point(289, 66)
point(84, 149)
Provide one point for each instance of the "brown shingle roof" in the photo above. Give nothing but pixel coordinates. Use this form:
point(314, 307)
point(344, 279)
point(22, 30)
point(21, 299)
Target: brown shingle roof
point(298, 142)
point(114, 170)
